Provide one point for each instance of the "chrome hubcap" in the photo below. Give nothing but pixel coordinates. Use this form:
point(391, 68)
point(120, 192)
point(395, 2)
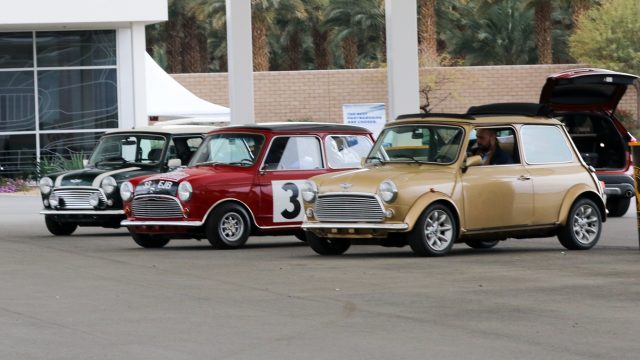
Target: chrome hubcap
point(438, 230)
point(585, 224)
point(231, 227)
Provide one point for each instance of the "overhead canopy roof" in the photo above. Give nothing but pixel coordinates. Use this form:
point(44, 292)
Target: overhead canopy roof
point(168, 98)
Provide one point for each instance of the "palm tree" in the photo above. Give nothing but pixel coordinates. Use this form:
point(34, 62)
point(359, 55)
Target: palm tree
point(544, 43)
point(291, 21)
point(499, 34)
point(354, 22)
point(427, 35)
point(315, 10)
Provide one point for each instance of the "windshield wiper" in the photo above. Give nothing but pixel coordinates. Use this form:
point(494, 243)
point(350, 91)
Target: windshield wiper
point(374, 158)
point(409, 157)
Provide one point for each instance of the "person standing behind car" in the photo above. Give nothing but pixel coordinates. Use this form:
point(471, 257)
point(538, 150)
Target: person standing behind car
point(488, 148)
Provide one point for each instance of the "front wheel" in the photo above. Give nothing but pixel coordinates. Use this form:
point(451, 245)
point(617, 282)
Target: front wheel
point(435, 232)
point(327, 246)
point(228, 227)
point(618, 206)
point(148, 241)
point(583, 227)
point(59, 228)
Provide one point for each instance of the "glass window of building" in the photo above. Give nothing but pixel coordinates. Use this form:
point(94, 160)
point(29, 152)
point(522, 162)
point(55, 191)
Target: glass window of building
point(76, 100)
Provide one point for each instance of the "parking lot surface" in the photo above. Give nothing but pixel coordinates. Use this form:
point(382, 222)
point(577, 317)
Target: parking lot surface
point(97, 295)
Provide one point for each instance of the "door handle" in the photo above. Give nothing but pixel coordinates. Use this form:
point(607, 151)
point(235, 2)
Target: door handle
point(524, 177)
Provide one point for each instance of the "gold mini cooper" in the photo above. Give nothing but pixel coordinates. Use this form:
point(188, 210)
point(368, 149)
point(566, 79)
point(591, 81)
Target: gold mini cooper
point(431, 180)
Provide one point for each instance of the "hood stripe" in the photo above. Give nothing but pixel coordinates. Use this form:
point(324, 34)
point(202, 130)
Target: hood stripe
point(98, 179)
point(58, 181)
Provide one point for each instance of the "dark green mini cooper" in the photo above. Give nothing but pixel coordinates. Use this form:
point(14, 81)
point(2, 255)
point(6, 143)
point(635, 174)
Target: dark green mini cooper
point(90, 196)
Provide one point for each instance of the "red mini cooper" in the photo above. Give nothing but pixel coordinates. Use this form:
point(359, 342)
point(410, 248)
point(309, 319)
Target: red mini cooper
point(243, 180)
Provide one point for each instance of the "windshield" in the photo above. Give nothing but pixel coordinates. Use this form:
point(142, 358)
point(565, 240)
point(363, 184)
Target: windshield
point(128, 148)
point(230, 149)
point(418, 143)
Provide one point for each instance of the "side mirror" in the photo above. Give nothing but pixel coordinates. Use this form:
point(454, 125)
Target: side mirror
point(174, 163)
point(363, 161)
point(85, 162)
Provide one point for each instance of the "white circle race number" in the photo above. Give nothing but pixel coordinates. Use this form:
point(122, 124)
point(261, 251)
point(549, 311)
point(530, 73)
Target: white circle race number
point(287, 201)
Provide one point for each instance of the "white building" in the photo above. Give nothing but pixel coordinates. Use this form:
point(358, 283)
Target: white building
point(69, 70)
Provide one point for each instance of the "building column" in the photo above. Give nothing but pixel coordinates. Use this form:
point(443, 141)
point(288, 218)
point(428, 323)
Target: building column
point(138, 52)
point(240, 61)
point(402, 57)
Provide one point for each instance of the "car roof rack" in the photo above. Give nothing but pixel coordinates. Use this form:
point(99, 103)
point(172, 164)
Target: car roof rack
point(436, 115)
point(524, 109)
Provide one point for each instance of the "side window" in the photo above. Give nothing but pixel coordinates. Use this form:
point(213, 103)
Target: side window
point(345, 151)
point(294, 153)
point(544, 145)
point(183, 148)
point(496, 146)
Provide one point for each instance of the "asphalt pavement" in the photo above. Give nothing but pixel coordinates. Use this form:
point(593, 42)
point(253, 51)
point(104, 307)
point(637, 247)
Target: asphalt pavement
point(97, 295)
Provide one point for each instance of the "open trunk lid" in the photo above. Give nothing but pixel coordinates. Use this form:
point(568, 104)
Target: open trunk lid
point(585, 89)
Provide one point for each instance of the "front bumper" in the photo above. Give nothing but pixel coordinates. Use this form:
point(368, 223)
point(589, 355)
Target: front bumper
point(161, 223)
point(81, 212)
point(346, 226)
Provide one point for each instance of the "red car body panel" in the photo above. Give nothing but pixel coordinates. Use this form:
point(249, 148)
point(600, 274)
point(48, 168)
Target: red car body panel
point(250, 186)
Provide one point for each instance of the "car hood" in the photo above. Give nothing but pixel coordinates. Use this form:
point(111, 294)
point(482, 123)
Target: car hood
point(93, 176)
point(405, 176)
point(210, 175)
point(585, 90)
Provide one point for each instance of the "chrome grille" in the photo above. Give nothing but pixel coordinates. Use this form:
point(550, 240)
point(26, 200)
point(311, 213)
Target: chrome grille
point(78, 198)
point(156, 207)
point(349, 207)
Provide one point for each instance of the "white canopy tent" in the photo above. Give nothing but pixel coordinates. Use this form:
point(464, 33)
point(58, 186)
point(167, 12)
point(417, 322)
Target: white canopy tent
point(168, 99)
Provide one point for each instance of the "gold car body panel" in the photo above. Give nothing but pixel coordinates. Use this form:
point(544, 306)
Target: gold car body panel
point(518, 196)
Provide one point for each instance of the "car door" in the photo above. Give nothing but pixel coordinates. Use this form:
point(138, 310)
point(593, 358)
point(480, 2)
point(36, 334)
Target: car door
point(553, 167)
point(498, 196)
point(289, 161)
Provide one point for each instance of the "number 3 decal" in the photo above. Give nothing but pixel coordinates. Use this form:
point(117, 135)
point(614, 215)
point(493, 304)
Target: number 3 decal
point(287, 202)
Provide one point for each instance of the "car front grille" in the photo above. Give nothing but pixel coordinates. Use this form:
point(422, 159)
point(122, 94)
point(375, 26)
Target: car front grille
point(77, 198)
point(348, 208)
point(156, 207)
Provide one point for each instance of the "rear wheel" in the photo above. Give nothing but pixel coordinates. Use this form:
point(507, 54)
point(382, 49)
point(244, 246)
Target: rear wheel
point(435, 232)
point(618, 206)
point(482, 244)
point(149, 241)
point(59, 228)
point(327, 246)
point(228, 227)
point(583, 227)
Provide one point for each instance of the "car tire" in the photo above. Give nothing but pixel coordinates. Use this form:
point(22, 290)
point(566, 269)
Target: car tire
point(327, 246)
point(481, 244)
point(301, 236)
point(149, 241)
point(618, 206)
point(583, 227)
point(228, 227)
point(435, 232)
point(58, 228)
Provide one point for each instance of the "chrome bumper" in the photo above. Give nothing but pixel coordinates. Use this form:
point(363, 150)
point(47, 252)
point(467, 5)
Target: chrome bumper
point(161, 223)
point(394, 227)
point(82, 212)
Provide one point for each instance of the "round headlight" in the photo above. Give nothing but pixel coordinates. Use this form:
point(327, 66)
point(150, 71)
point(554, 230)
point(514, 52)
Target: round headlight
point(46, 184)
point(387, 191)
point(54, 200)
point(184, 191)
point(94, 200)
point(126, 191)
point(108, 184)
point(309, 191)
